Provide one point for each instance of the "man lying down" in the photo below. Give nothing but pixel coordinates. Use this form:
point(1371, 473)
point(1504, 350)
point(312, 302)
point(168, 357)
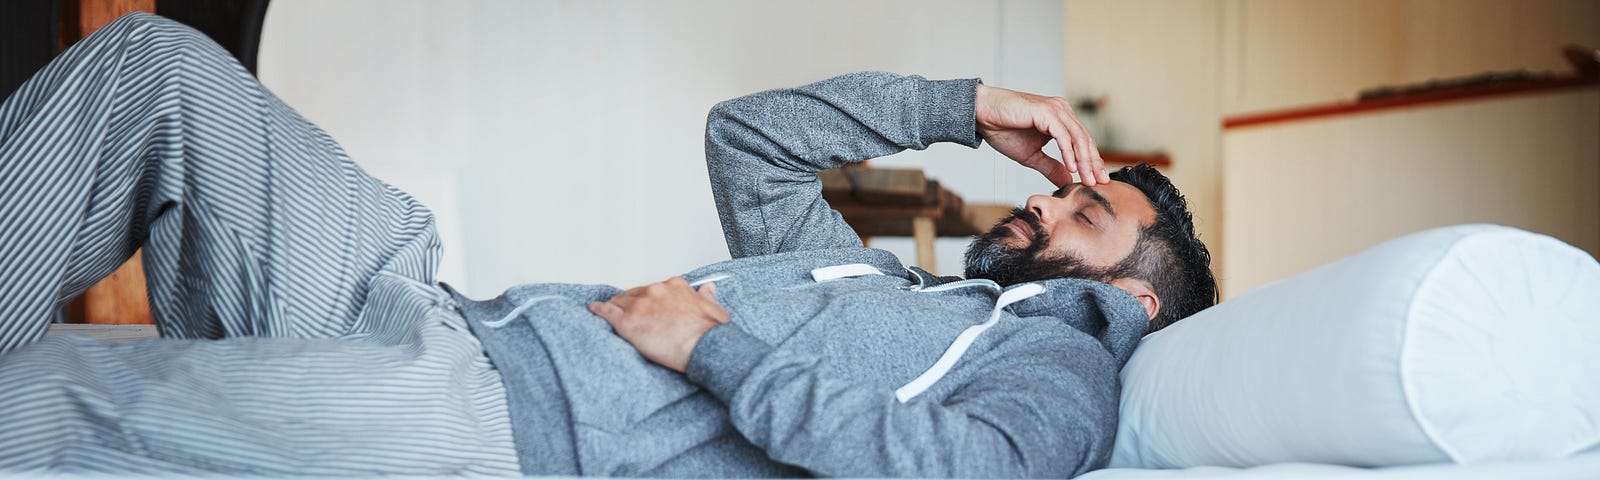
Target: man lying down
point(306, 334)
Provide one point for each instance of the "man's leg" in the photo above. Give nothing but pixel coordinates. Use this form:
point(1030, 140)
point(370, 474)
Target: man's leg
point(254, 224)
point(257, 223)
point(262, 406)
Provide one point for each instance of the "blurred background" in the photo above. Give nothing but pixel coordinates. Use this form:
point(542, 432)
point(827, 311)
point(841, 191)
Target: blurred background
point(562, 140)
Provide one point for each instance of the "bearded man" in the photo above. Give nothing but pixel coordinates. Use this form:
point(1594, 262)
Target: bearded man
point(306, 333)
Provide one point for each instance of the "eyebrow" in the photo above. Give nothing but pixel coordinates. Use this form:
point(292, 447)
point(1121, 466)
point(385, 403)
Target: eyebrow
point(1098, 198)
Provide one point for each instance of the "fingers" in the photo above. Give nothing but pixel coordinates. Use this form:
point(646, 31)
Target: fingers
point(606, 310)
point(711, 308)
point(665, 298)
point(1091, 168)
point(1050, 168)
point(1078, 149)
point(1062, 136)
point(1091, 152)
point(1019, 125)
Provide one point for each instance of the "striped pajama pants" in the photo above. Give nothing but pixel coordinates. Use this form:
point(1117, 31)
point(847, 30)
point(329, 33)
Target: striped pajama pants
point(303, 331)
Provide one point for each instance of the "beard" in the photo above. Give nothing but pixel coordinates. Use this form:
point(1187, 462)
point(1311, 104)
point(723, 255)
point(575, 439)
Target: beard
point(988, 258)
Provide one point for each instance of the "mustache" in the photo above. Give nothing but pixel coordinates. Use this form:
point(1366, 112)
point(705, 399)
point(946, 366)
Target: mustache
point(1019, 213)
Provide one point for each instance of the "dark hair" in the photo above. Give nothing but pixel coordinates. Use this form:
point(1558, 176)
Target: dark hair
point(1168, 255)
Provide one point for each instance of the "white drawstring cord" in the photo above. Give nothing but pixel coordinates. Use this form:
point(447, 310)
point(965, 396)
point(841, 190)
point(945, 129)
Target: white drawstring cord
point(976, 282)
point(959, 347)
point(843, 271)
point(964, 341)
point(520, 308)
point(714, 278)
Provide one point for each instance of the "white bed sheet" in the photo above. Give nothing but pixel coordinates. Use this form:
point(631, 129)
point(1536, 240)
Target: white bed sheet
point(1584, 466)
point(1581, 467)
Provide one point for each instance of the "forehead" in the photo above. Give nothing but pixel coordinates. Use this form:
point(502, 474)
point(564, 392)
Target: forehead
point(1127, 200)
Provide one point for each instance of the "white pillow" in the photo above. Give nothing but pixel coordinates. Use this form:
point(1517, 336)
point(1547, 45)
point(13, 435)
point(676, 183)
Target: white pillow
point(1472, 343)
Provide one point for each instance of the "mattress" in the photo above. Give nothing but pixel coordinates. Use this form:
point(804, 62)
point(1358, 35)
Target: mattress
point(1583, 466)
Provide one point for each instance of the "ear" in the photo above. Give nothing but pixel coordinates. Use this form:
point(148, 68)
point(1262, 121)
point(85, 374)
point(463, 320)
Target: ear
point(1141, 291)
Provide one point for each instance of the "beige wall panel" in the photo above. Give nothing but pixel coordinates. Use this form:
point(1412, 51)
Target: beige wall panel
point(1305, 193)
point(1286, 53)
point(1294, 52)
point(1452, 38)
point(1156, 61)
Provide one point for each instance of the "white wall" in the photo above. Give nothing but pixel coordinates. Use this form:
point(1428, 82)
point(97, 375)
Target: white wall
point(562, 141)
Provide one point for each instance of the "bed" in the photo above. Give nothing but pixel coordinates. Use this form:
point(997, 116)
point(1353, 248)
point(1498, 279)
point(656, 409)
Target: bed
point(1468, 352)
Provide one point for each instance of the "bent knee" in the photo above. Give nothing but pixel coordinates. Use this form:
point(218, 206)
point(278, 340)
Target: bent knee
point(145, 32)
point(132, 22)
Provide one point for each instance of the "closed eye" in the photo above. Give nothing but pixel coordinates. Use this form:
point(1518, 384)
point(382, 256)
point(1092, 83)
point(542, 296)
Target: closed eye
point(1085, 219)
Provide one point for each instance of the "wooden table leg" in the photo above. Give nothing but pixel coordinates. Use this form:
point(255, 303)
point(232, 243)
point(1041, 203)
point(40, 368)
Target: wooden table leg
point(922, 230)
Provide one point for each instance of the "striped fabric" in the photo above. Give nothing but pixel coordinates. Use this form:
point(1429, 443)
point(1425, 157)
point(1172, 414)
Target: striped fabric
point(304, 332)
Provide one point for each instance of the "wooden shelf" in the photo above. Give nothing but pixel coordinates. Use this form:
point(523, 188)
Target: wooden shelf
point(1155, 159)
point(1525, 87)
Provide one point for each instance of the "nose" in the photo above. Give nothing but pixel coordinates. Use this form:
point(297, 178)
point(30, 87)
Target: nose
point(1040, 205)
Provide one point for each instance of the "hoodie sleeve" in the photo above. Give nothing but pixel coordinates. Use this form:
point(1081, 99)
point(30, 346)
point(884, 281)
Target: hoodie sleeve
point(763, 151)
point(1046, 409)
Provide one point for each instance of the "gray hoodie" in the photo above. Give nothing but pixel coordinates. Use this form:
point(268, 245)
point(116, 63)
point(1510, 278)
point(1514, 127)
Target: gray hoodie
point(839, 360)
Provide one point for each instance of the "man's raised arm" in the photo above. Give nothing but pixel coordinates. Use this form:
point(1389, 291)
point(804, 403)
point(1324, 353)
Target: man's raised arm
point(1022, 416)
point(764, 150)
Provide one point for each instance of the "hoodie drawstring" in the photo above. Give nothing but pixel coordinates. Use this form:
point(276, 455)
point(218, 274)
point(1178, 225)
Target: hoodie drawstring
point(964, 341)
point(959, 347)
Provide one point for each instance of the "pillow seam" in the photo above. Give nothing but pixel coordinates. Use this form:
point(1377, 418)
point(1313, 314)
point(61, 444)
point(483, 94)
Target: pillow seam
point(1406, 385)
